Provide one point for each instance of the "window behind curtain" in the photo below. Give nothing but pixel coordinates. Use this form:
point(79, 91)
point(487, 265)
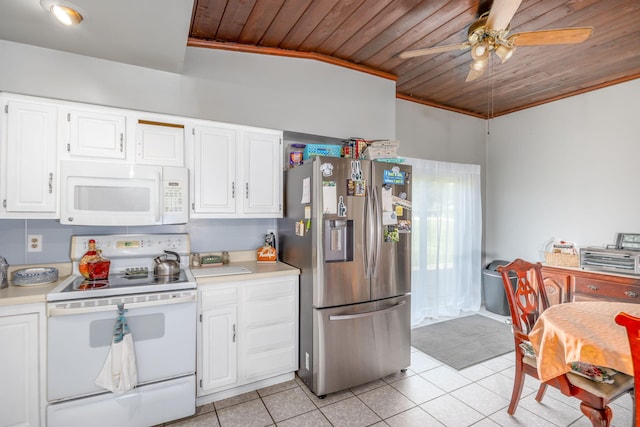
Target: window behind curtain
point(446, 239)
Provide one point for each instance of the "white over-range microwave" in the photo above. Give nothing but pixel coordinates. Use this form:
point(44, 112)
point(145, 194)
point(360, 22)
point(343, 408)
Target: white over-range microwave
point(94, 193)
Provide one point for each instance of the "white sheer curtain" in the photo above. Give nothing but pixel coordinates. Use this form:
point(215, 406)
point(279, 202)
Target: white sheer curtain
point(446, 239)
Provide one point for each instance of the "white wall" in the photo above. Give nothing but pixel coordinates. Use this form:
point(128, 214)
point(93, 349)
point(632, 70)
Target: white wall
point(435, 134)
point(261, 90)
point(567, 169)
point(283, 93)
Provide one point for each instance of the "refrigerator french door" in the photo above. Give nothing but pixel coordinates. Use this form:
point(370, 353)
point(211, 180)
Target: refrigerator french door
point(347, 227)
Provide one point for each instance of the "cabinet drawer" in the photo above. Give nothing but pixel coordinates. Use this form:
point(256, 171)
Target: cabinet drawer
point(271, 290)
point(592, 288)
point(272, 337)
point(270, 363)
point(218, 297)
point(271, 311)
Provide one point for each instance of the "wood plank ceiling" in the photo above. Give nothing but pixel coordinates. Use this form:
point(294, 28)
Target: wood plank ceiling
point(369, 34)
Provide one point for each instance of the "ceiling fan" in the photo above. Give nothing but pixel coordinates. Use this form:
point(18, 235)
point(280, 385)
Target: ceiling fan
point(490, 33)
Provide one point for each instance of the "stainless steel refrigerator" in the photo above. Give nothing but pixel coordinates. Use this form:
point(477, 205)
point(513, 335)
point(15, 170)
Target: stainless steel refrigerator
point(347, 227)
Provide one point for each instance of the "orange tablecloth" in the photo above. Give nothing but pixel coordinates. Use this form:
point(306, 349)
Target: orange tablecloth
point(585, 332)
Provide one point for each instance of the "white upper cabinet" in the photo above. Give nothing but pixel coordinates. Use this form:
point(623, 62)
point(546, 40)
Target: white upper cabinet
point(213, 171)
point(104, 133)
point(28, 142)
point(262, 172)
point(236, 172)
point(159, 143)
point(96, 133)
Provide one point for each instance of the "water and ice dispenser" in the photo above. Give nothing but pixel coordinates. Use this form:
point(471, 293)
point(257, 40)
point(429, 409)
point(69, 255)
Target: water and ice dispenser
point(338, 240)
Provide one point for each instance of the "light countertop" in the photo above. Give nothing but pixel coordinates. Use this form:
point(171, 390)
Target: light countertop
point(14, 295)
point(35, 293)
point(258, 271)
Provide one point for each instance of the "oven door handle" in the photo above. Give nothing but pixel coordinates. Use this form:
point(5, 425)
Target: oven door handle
point(63, 311)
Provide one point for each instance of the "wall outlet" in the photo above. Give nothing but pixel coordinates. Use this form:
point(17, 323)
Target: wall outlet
point(306, 360)
point(34, 243)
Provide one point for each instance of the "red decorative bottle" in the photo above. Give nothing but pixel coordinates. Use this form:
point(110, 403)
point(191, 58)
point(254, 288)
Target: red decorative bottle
point(93, 265)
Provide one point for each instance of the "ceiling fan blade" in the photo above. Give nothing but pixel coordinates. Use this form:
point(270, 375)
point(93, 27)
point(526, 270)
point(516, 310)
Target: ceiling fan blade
point(433, 50)
point(547, 37)
point(501, 13)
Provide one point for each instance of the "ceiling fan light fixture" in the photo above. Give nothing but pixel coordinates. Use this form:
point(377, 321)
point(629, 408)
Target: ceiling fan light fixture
point(64, 13)
point(504, 52)
point(481, 51)
point(479, 64)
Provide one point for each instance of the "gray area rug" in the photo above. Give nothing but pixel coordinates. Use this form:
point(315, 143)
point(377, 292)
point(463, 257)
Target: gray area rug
point(464, 341)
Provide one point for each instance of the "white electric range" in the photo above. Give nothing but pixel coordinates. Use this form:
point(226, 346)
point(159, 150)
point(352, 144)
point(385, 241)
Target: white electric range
point(161, 315)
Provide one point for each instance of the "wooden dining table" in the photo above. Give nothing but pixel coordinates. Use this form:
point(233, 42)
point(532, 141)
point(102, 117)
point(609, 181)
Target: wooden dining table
point(582, 332)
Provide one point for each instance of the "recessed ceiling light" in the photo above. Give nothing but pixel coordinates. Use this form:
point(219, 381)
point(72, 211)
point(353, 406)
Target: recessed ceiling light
point(64, 13)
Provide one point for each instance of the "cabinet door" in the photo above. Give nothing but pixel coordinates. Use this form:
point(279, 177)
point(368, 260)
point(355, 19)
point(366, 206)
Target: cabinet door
point(262, 171)
point(31, 157)
point(214, 171)
point(96, 134)
point(556, 285)
point(19, 370)
point(159, 143)
point(219, 365)
point(269, 328)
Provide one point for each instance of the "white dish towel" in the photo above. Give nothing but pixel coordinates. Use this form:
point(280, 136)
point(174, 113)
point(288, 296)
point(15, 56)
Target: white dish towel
point(119, 373)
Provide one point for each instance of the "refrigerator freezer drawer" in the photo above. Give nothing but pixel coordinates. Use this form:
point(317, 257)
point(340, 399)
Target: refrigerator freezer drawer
point(361, 343)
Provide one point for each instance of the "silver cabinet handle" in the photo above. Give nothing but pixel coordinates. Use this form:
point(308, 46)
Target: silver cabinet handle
point(50, 182)
point(234, 333)
point(631, 294)
point(121, 142)
point(246, 190)
point(233, 190)
point(593, 287)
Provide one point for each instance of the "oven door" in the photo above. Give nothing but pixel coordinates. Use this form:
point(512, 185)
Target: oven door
point(80, 333)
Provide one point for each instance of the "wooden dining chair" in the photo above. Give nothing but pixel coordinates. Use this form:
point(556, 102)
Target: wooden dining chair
point(527, 299)
point(632, 324)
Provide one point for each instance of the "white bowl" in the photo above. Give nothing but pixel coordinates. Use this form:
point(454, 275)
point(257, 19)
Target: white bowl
point(35, 276)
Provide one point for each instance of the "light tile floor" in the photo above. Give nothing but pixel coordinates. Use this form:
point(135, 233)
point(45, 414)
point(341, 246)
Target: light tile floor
point(428, 394)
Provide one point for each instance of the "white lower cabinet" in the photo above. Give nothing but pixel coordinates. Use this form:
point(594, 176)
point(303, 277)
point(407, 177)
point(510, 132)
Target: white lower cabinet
point(20, 366)
point(248, 335)
point(218, 338)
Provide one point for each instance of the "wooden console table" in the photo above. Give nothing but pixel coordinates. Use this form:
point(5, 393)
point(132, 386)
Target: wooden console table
point(567, 284)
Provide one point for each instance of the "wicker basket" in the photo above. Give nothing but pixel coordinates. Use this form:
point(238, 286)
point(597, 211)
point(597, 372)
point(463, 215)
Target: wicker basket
point(561, 260)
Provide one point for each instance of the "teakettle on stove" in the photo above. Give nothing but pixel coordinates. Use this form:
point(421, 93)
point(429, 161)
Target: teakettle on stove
point(167, 267)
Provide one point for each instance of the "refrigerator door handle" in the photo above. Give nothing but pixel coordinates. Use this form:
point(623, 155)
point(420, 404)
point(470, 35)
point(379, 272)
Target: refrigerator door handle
point(377, 230)
point(366, 313)
point(369, 234)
